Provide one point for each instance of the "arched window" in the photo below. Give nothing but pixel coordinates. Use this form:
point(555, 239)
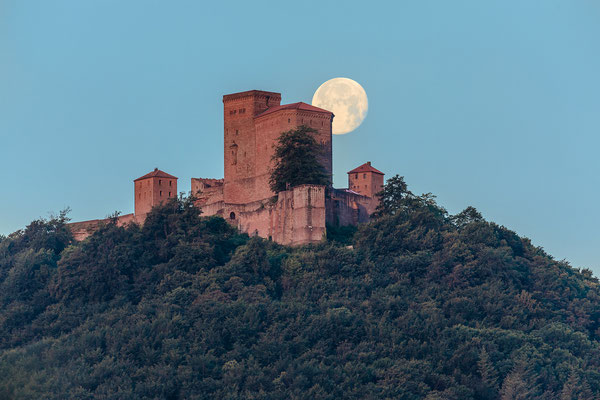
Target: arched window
point(232, 215)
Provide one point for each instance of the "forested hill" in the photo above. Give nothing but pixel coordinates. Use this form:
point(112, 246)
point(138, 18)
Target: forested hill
point(423, 306)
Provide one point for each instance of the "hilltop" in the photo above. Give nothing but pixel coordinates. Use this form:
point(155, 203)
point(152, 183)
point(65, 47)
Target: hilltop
point(423, 305)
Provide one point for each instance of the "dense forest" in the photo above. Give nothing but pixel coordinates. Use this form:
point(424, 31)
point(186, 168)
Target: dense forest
point(417, 304)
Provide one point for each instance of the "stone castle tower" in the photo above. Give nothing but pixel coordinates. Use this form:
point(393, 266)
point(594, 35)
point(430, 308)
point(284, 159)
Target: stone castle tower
point(365, 180)
point(152, 189)
point(253, 121)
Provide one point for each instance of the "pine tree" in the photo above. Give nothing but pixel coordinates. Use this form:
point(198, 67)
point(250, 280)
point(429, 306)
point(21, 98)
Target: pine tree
point(514, 386)
point(488, 373)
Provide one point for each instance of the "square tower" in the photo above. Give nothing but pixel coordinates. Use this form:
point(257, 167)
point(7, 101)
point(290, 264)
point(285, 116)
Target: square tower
point(276, 120)
point(152, 189)
point(239, 110)
point(365, 180)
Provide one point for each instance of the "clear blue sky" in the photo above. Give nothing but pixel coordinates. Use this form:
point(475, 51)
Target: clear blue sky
point(494, 104)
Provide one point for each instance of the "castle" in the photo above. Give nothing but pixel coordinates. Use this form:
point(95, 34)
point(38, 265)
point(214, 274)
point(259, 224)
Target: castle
point(253, 121)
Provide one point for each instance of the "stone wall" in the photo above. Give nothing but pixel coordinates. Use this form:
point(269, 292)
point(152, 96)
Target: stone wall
point(294, 217)
point(300, 215)
point(82, 230)
point(345, 207)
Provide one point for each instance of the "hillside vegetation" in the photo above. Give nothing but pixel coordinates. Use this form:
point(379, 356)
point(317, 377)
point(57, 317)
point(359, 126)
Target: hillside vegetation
point(424, 306)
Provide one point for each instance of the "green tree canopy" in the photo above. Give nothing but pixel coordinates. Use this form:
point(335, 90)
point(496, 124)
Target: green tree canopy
point(296, 160)
point(422, 306)
point(395, 198)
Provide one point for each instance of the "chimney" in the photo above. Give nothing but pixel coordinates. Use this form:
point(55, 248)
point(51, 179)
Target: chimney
point(369, 163)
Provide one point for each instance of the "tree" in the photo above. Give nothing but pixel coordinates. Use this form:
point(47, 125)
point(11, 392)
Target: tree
point(395, 198)
point(467, 216)
point(296, 160)
point(515, 387)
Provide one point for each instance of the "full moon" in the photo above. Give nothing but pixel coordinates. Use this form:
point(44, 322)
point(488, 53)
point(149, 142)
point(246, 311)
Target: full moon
point(346, 99)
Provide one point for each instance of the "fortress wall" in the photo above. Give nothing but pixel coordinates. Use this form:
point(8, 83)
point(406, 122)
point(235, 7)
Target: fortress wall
point(256, 222)
point(299, 216)
point(208, 192)
point(206, 184)
point(347, 208)
point(84, 229)
point(308, 214)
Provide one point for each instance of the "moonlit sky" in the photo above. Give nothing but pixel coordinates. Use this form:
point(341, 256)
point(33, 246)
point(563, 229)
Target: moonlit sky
point(347, 100)
point(494, 104)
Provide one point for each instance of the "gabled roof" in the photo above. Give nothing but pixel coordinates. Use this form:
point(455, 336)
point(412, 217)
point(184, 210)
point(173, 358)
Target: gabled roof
point(294, 106)
point(366, 167)
point(157, 173)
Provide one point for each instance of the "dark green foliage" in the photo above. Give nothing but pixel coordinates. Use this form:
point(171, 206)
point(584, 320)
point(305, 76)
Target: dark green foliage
point(424, 306)
point(296, 160)
point(341, 234)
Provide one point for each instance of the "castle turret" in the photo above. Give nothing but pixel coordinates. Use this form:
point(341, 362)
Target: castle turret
point(151, 190)
point(365, 180)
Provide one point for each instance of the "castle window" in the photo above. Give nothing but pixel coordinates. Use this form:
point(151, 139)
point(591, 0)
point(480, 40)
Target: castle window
point(169, 194)
point(365, 176)
point(356, 176)
point(160, 193)
point(237, 132)
point(289, 120)
point(232, 215)
point(159, 182)
point(170, 182)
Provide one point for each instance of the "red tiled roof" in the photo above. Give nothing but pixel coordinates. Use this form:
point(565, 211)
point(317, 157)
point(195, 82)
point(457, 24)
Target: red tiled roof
point(366, 167)
point(294, 106)
point(157, 173)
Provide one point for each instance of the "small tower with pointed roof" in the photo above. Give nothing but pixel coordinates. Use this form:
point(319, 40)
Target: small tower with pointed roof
point(151, 190)
point(365, 180)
